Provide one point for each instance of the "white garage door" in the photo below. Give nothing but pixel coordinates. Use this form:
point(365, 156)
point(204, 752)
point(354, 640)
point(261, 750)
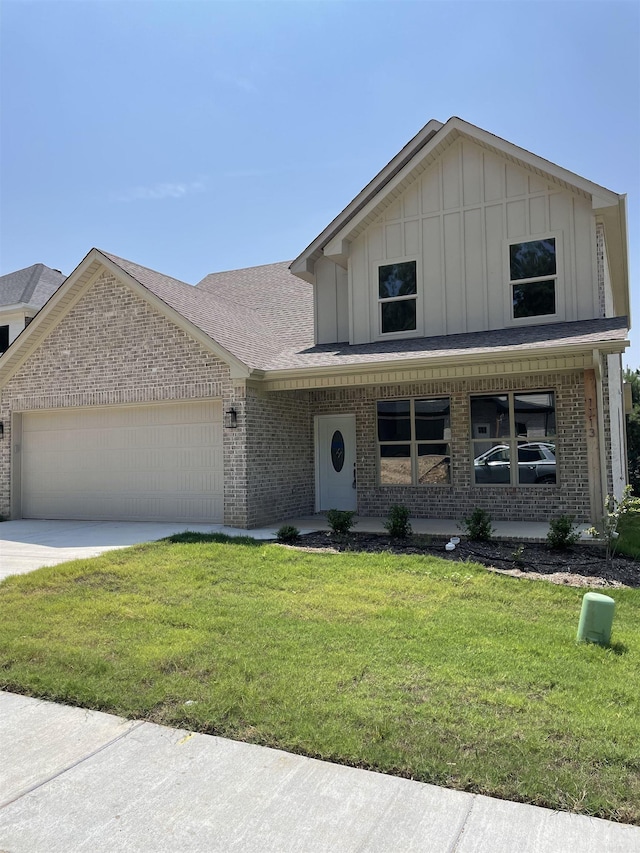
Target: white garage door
point(133, 463)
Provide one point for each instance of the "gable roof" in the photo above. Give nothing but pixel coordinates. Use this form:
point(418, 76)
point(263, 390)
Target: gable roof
point(253, 313)
point(234, 314)
point(31, 286)
point(423, 150)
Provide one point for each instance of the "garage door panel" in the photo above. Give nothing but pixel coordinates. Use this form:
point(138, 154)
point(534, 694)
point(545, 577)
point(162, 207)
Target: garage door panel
point(160, 462)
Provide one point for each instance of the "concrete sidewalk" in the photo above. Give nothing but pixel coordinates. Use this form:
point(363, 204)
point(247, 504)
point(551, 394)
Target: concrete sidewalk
point(76, 780)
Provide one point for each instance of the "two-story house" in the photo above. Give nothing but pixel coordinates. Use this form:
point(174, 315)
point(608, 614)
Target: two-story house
point(452, 339)
point(22, 295)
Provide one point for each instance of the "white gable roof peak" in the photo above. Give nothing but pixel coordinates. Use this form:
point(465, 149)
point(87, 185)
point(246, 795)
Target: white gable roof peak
point(417, 155)
point(303, 265)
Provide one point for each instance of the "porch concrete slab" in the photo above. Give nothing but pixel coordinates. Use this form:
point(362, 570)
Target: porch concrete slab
point(119, 786)
point(527, 530)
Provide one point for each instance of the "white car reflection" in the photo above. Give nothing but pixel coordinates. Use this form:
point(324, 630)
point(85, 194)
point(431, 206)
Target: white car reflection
point(536, 463)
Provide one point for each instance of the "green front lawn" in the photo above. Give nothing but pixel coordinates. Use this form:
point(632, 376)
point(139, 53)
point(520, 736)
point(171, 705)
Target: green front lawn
point(413, 665)
point(629, 541)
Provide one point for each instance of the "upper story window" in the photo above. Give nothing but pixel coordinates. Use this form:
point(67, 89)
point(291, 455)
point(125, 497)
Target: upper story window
point(397, 295)
point(4, 338)
point(533, 278)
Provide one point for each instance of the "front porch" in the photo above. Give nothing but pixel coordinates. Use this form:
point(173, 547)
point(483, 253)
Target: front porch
point(527, 531)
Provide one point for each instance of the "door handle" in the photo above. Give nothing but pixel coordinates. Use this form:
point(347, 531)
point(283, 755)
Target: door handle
point(353, 485)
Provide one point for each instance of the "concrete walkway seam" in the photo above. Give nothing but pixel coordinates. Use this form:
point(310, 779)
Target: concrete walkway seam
point(136, 724)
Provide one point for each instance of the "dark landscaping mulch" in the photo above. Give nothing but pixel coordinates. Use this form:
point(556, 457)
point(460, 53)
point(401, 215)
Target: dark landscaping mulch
point(581, 565)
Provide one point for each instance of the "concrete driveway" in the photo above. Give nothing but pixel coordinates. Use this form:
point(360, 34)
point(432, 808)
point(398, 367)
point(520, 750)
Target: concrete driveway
point(26, 545)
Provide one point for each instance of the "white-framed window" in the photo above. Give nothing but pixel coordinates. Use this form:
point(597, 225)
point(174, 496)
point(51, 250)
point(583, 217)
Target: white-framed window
point(398, 297)
point(533, 277)
point(512, 426)
point(414, 442)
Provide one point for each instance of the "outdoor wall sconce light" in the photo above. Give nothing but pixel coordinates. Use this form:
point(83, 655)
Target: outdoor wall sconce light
point(231, 418)
point(1, 429)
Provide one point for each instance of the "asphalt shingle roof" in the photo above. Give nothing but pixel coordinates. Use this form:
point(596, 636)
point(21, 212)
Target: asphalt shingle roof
point(232, 312)
point(497, 342)
point(32, 285)
point(264, 316)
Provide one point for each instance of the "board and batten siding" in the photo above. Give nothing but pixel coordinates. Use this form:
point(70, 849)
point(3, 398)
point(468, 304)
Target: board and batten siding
point(331, 303)
point(456, 221)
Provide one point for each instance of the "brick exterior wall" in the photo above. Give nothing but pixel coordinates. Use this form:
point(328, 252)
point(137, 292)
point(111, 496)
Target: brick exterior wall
point(529, 503)
point(280, 456)
point(113, 348)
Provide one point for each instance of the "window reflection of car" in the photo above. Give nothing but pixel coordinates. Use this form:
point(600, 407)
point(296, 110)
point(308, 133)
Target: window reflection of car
point(536, 464)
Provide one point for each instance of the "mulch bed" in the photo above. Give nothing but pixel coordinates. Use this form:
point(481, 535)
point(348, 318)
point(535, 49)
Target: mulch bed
point(581, 565)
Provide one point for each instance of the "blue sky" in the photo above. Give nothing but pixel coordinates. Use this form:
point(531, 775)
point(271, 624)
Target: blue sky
point(193, 137)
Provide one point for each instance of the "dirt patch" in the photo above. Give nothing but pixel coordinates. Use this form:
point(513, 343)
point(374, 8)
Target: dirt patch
point(582, 565)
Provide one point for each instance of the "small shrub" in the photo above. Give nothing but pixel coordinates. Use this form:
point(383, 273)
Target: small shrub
point(614, 511)
point(288, 534)
point(340, 520)
point(518, 555)
point(562, 532)
point(478, 525)
point(397, 523)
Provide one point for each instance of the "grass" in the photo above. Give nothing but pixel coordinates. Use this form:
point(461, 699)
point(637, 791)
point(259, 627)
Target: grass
point(412, 665)
point(629, 542)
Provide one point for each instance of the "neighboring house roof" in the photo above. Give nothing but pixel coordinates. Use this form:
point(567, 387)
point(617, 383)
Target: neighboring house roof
point(31, 286)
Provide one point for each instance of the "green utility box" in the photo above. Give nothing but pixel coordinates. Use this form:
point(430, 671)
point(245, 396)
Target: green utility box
point(596, 619)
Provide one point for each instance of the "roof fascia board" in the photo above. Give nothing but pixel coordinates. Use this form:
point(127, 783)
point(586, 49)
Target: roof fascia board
point(16, 306)
point(606, 347)
point(238, 368)
point(300, 266)
point(609, 197)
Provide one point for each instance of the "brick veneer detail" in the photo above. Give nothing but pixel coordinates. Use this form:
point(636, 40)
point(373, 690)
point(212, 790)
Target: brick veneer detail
point(532, 503)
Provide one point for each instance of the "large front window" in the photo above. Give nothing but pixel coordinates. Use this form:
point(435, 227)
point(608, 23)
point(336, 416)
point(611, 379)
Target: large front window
point(413, 442)
point(397, 294)
point(533, 277)
point(506, 427)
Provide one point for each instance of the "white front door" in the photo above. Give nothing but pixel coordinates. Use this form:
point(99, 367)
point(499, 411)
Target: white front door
point(336, 462)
